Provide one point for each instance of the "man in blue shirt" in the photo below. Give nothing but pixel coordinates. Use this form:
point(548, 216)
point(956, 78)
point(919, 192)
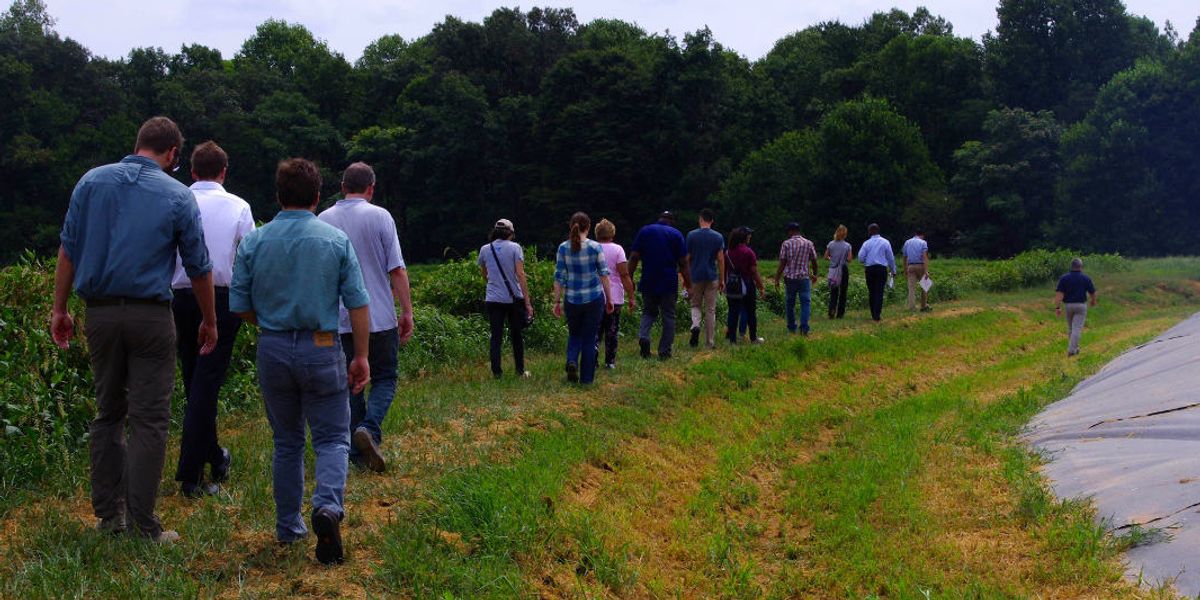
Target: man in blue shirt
point(125, 223)
point(876, 255)
point(288, 278)
point(662, 248)
point(916, 266)
point(372, 232)
point(1073, 290)
point(706, 261)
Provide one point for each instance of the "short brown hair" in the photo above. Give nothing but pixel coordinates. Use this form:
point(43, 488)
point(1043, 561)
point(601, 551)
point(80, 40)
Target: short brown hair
point(297, 183)
point(208, 160)
point(159, 135)
point(358, 177)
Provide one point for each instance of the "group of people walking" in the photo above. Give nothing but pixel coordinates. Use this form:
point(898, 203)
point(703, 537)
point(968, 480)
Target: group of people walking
point(167, 271)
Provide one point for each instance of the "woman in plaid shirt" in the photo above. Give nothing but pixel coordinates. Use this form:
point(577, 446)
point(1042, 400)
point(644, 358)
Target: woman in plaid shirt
point(581, 278)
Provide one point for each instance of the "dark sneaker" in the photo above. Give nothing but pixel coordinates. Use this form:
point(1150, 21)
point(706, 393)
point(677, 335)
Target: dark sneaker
point(644, 347)
point(695, 339)
point(220, 472)
point(326, 524)
point(111, 525)
point(664, 356)
point(199, 490)
point(365, 444)
point(572, 373)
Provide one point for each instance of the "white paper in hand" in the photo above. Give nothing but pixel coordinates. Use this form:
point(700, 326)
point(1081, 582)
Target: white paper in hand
point(926, 282)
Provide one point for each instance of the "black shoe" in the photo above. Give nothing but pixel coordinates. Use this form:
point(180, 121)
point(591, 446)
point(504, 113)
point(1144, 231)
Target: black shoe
point(572, 373)
point(364, 442)
point(220, 473)
point(664, 356)
point(695, 340)
point(644, 346)
point(326, 525)
point(199, 490)
point(111, 525)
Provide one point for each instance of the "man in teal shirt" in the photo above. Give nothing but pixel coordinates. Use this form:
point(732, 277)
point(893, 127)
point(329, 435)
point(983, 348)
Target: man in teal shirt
point(288, 278)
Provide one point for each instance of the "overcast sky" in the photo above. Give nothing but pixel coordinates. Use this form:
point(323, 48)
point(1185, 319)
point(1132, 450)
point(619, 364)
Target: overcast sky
point(750, 27)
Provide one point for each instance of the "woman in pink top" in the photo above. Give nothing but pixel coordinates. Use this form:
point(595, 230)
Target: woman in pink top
point(614, 255)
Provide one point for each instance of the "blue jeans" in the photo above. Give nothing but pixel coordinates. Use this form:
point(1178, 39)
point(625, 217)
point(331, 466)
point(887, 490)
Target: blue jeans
point(803, 289)
point(652, 305)
point(583, 321)
point(370, 411)
point(303, 383)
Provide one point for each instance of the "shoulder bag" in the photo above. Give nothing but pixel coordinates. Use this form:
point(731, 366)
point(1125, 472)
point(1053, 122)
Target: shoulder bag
point(526, 320)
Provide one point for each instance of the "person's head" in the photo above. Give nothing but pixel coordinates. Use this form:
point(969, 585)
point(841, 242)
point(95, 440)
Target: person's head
point(740, 236)
point(840, 233)
point(580, 225)
point(873, 229)
point(209, 162)
point(159, 139)
point(792, 228)
point(707, 217)
point(1076, 264)
point(297, 184)
point(359, 180)
point(605, 231)
point(919, 232)
point(503, 230)
point(666, 217)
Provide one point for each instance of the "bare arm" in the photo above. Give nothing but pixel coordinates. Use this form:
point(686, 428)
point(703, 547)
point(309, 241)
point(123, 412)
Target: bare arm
point(1093, 295)
point(62, 328)
point(685, 271)
point(607, 285)
point(720, 269)
point(634, 258)
point(627, 283)
point(249, 316)
point(360, 330)
point(205, 296)
point(523, 281)
point(403, 295)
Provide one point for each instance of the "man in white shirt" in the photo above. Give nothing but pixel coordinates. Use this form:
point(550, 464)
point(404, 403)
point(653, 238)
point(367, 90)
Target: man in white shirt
point(372, 232)
point(878, 261)
point(916, 265)
point(226, 219)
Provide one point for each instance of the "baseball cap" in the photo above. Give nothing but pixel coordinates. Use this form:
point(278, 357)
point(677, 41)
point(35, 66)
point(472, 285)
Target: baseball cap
point(505, 224)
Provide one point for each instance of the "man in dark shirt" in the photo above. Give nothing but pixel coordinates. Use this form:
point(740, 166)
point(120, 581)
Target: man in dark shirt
point(1073, 290)
point(664, 251)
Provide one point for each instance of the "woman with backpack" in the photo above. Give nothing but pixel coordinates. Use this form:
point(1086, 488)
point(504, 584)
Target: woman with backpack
point(742, 273)
point(507, 299)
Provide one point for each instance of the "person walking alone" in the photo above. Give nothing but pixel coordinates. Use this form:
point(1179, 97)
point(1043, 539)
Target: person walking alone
point(916, 266)
point(878, 262)
point(581, 279)
point(1073, 292)
point(839, 253)
point(610, 324)
point(507, 297)
point(798, 268)
point(706, 261)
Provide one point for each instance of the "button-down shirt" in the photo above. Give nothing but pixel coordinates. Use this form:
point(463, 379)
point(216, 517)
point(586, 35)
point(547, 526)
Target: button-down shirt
point(125, 223)
point(914, 250)
point(372, 232)
point(797, 254)
point(877, 251)
point(579, 272)
point(660, 247)
point(227, 219)
point(292, 271)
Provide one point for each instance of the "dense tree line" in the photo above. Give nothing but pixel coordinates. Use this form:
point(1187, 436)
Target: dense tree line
point(1073, 123)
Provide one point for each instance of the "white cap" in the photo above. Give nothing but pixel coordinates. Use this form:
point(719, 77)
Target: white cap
point(505, 224)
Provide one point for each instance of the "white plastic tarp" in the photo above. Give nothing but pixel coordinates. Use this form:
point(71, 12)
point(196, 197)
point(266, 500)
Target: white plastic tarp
point(1129, 439)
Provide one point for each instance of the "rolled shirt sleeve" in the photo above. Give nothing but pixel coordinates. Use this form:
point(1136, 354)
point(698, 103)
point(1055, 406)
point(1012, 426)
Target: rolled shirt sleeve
point(351, 288)
point(243, 279)
point(69, 236)
point(560, 266)
point(601, 264)
point(189, 235)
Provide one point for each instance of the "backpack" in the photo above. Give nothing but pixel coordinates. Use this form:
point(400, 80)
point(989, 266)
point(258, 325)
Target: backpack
point(735, 285)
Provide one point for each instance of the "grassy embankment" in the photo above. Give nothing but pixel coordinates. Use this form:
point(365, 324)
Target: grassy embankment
point(865, 460)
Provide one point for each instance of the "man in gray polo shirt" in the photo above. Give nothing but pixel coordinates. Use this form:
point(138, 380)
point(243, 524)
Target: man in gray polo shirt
point(372, 232)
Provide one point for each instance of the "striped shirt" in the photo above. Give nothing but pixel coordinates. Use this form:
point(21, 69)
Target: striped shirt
point(579, 272)
point(796, 254)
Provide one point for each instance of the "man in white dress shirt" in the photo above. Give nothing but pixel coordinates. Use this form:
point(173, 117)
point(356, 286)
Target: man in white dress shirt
point(226, 219)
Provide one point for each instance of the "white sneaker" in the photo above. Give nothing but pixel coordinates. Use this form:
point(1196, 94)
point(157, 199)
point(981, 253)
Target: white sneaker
point(165, 537)
point(757, 341)
point(526, 374)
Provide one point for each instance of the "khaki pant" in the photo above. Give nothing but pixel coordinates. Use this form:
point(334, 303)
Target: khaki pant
point(703, 296)
point(1076, 314)
point(132, 351)
point(914, 274)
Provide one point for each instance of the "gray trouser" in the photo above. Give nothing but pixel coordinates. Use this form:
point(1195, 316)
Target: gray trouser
point(1076, 313)
point(652, 305)
point(132, 351)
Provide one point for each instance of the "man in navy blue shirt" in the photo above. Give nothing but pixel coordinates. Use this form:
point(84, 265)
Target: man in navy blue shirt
point(125, 223)
point(664, 251)
point(1073, 290)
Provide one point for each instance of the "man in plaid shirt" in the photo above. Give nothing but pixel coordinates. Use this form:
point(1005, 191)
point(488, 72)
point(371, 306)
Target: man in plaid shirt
point(798, 269)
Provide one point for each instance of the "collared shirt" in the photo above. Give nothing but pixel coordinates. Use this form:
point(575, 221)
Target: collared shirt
point(703, 244)
point(1075, 286)
point(914, 250)
point(292, 271)
point(796, 254)
point(124, 226)
point(877, 251)
point(227, 219)
point(660, 247)
point(579, 272)
point(372, 232)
